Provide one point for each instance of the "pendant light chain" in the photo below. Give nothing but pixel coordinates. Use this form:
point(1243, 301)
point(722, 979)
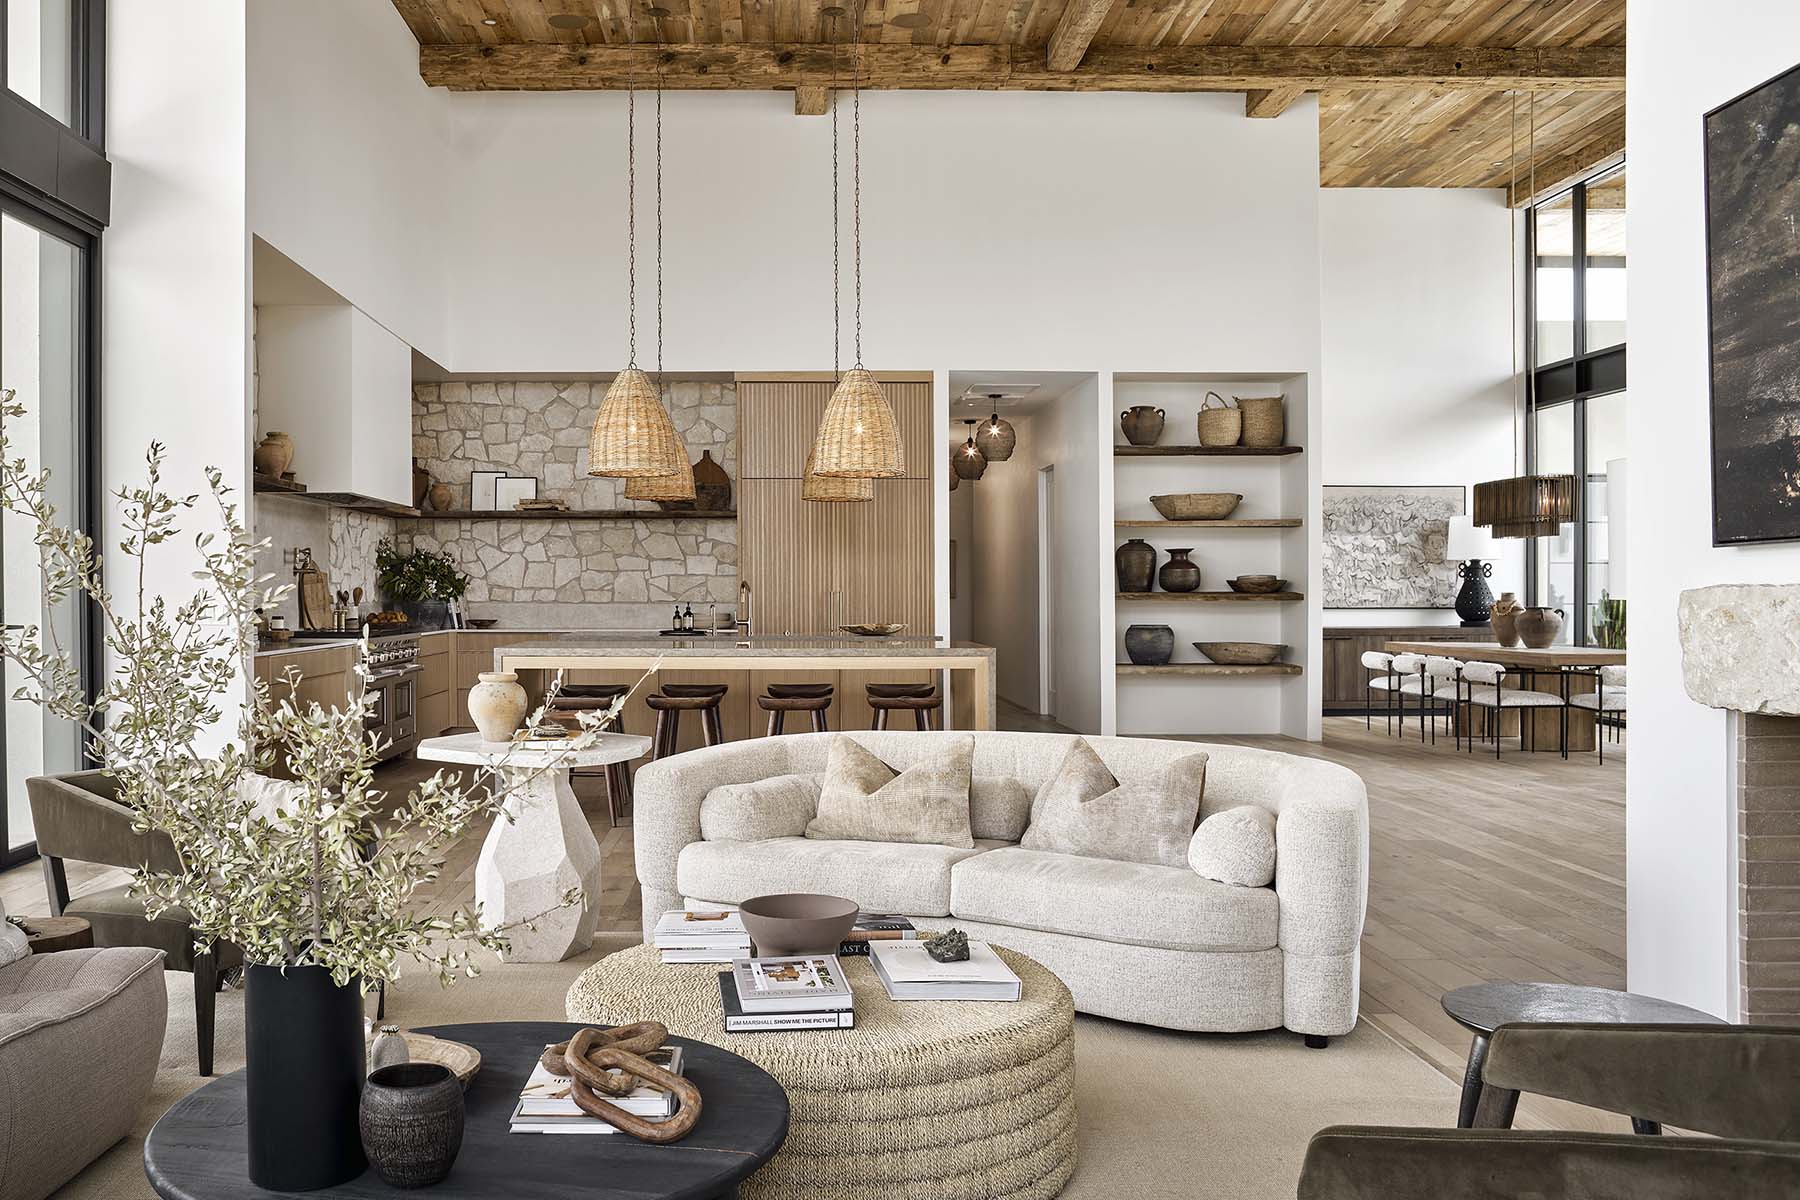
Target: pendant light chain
point(1512, 242)
point(837, 287)
point(631, 208)
point(856, 169)
point(659, 221)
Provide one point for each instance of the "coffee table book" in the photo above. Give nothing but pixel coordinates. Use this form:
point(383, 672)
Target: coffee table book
point(875, 927)
point(791, 984)
point(545, 1105)
point(909, 973)
point(688, 936)
point(738, 1021)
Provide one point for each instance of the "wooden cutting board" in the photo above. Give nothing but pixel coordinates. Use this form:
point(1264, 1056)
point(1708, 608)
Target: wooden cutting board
point(315, 599)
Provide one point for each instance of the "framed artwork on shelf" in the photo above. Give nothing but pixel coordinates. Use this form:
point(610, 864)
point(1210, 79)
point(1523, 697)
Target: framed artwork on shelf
point(1384, 547)
point(481, 489)
point(511, 489)
point(1753, 307)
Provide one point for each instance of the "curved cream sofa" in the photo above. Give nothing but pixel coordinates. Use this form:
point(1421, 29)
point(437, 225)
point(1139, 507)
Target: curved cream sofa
point(1152, 944)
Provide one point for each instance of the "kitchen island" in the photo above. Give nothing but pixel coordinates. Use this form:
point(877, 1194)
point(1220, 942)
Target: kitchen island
point(749, 664)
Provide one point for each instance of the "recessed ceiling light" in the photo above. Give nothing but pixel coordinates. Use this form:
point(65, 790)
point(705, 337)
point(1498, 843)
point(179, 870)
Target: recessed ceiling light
point(911, 20)
point(570, 21)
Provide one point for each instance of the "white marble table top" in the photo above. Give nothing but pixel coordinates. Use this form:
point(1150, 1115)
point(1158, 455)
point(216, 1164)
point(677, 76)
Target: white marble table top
point(470, 748)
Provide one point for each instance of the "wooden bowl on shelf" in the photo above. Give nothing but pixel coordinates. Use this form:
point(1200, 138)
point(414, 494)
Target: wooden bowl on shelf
point(877, 629)
point(1256, 585)
point(1197, 506)
point(1241, 654)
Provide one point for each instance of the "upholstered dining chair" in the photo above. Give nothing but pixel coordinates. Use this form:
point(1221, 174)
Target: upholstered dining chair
point(1738, 1083)
point(1483, 687)
point(1444, 676)
point(1607, 698)
point(78, 816)
point(1381, 679)
point(1411, 680)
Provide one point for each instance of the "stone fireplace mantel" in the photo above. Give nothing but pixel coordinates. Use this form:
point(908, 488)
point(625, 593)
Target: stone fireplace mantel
point(1740, 647)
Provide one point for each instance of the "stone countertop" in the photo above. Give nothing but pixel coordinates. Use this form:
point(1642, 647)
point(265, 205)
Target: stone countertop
point(631, 645)
point(301, 645)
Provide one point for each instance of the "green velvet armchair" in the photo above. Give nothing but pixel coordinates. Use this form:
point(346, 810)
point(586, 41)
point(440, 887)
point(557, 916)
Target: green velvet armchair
point(78, 816)
point(1739, 1083)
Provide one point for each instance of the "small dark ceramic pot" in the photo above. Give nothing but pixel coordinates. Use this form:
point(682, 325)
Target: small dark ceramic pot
point(1149, 645)
point(1135, 565)
point(1180, 573)
point(1538, 626)
point(1142, 424)
point(412, 1123)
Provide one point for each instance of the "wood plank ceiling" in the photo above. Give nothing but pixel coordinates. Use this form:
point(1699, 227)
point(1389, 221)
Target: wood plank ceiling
point(1453, 127)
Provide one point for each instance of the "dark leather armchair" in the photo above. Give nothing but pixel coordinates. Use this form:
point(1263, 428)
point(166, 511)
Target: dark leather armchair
point(78, 816)
point(1740, 1083)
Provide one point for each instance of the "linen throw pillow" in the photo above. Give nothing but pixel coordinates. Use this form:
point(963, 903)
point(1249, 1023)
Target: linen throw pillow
point(13, 943)
point(1236, 846)
point(862, 799)
point(779, 806)
point(1082, 809)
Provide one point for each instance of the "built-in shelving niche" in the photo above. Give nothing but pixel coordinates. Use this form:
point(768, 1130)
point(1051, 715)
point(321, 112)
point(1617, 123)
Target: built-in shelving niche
point(1271, 532)
point(267, 484)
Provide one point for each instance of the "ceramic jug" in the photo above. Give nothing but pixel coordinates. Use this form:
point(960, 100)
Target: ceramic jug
point(1538, 626)
point(1504, 616)
point(1142, 423)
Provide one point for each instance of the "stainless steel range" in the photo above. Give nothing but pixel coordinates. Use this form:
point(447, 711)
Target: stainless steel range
point(393, 689)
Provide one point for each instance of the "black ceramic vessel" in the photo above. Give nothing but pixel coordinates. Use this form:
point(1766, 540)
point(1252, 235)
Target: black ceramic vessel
point(1135, 564)
point(303, 1046)
point(1149, 645)
point(1474, 603)
point(1180, 573)
point(412, 1123)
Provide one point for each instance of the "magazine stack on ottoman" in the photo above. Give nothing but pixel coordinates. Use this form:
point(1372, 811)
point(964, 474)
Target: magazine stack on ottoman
point(948, 1100)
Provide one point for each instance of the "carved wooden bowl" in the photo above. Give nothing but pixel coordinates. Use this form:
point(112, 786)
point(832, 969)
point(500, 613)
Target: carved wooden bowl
point(1197, 506)
point(1256, 584)
point(877, 629)
point(1241, 654)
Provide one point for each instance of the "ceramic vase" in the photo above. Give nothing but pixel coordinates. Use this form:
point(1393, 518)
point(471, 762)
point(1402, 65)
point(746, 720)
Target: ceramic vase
point(1180, 573)
point(1135, 565)
point(1149, 645)
point(274, 454)
point(1503, 615)
point(1539, 626)
point(441, 497)
point(1142, 424)
point(388, 1049)
point(411, 1122)
point(497, 705)
point(303, 1050)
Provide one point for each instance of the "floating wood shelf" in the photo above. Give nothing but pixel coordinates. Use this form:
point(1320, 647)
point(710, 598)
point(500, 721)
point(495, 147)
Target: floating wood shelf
point(1207, 451)
point(1214, 669)
point(1228, 523)
point(273, 484)
point(1213, 597)
point(577, 514)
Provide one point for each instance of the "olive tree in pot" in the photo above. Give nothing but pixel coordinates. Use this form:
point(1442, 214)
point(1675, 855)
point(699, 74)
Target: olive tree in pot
point(421, 584)
point(313, 875)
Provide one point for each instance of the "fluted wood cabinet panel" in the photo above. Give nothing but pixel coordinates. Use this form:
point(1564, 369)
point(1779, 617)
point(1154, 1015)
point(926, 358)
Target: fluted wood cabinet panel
point(795, 555)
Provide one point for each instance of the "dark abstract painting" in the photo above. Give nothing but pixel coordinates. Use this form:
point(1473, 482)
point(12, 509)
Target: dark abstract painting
point(1753, 265)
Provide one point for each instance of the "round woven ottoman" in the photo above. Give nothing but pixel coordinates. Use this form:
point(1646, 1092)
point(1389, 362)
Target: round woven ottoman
point(923, 1100)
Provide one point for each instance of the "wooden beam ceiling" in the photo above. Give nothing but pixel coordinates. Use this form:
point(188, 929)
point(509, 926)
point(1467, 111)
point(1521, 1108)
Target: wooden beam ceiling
point(737, 67)
point(1080, 21)
point(1270, 102)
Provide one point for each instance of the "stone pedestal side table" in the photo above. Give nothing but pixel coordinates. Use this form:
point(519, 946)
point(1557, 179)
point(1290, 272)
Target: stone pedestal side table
point(529, 862)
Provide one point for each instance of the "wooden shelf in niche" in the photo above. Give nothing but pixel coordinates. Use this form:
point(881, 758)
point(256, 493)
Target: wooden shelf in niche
point(1228, 523)
point(1204, 451)
point(578, 514)
point(1213, 597)
point(1213, 669)
point(270, 484)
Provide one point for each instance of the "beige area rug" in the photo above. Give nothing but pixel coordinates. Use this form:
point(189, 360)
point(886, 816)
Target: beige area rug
point(1162, 1115)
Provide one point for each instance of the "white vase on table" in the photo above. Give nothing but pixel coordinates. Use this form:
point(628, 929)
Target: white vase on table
point(497, 705)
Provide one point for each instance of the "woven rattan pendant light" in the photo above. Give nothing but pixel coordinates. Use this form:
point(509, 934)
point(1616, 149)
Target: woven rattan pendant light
point(1524, 506)
point(996, 438)
point(859, 437)
point(633, 436)
point(968, 461)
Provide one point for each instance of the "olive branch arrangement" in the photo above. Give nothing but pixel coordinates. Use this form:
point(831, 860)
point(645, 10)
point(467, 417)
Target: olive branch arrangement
point(320, 868)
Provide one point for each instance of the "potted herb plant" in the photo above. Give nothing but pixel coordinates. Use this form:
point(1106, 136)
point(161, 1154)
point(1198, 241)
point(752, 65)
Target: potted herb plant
point(313, 875)
point(420, 584)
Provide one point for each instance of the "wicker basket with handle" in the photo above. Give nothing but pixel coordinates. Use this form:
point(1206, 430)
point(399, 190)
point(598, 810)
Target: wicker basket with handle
point(1221, 426)
point(1265, 419)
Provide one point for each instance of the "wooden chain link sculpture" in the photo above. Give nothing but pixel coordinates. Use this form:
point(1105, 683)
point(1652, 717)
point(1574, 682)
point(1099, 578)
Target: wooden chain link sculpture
point(587, 1061)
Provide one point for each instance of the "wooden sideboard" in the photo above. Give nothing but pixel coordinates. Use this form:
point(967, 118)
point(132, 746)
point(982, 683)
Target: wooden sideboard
point(1345, 676)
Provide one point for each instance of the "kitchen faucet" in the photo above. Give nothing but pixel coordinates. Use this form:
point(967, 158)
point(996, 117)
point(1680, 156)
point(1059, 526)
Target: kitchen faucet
point(745, 600)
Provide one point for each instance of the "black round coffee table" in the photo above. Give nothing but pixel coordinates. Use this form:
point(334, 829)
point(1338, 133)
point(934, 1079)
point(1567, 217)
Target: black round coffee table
point(1482, 1008)
point(198, 1150)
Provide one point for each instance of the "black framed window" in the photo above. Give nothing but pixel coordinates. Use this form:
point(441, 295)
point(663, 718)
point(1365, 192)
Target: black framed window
point(55, 186)
point(1576, 260)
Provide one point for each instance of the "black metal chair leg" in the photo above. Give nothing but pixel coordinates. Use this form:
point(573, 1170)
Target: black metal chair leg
point(206, 993)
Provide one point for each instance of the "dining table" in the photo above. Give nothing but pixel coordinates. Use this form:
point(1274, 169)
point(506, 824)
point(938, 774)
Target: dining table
point(1545, 669)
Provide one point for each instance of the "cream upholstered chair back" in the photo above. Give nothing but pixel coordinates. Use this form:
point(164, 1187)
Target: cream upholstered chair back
point(1483, 672)
point(1612, 677)
point(1443, 670)
point(1375, 660)
point(1409, 664)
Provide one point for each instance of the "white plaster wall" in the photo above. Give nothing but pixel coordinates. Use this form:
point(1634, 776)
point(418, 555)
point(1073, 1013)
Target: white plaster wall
point(1004, 570)
point(1069, 436)
point(1683, 60)
point(1414, 299)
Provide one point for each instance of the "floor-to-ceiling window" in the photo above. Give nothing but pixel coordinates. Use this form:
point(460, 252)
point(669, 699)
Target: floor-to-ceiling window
point(54, 201)
point(1577, 331)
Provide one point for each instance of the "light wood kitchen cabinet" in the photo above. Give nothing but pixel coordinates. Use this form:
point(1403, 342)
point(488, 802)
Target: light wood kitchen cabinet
point(326, 675)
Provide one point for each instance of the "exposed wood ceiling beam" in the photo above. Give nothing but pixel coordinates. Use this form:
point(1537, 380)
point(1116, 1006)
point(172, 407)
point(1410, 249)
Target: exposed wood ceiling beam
point(1080, 21)
point(811, 100)
point(1607, 141)
point(1270, 102)
point(555, 67)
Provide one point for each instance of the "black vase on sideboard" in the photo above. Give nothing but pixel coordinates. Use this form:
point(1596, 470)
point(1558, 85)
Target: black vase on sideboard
point(1474, 603)
point(303, 1050)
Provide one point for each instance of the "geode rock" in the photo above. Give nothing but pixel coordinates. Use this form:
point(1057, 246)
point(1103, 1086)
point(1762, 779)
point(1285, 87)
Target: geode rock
point(949, 947)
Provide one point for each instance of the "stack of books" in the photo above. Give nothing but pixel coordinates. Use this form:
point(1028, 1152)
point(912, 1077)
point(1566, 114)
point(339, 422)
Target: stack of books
point(701, 937)
point(909, 973)
point(806, 991)
point(875, 927)
point(545, 1105)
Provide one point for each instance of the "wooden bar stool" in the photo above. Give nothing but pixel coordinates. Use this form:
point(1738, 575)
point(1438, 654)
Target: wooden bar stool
point(677, 698)
point(576, 698)
point(921, 699)
point(784, 698)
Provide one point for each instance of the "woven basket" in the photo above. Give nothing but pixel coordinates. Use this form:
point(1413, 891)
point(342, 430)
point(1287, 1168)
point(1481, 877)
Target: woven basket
point(820, 490)
point(632, 433)
point(679, 486)
point(1265, 420)
point(859, 437)
point(1221, 426)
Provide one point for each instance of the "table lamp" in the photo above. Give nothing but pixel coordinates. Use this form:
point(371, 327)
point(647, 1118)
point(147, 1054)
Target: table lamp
point(1470, 547)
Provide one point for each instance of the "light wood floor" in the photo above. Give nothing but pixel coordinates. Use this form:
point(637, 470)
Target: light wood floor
point(1478, 870)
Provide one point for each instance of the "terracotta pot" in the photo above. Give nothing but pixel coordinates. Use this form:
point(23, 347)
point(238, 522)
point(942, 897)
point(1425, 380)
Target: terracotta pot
point(1142, 424)
point(274, 454)
point(497, 705)
point(421, 484)
point(1149, 645)
point(1135, 565)
point(1539, 626)
point(441, 497)
point(1504, 616)
point(1180, 573)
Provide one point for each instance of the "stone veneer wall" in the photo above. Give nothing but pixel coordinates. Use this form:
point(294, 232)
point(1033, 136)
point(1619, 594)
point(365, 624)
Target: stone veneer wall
point(571, 573)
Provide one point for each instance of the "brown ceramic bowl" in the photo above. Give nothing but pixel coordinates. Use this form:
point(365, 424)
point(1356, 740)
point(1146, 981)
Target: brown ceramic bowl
point(1256, 584)
point(797, 923)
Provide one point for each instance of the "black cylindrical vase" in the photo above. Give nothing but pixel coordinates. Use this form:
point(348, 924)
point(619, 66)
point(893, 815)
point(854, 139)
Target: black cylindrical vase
point(303, 1046)
point(412, 1123)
